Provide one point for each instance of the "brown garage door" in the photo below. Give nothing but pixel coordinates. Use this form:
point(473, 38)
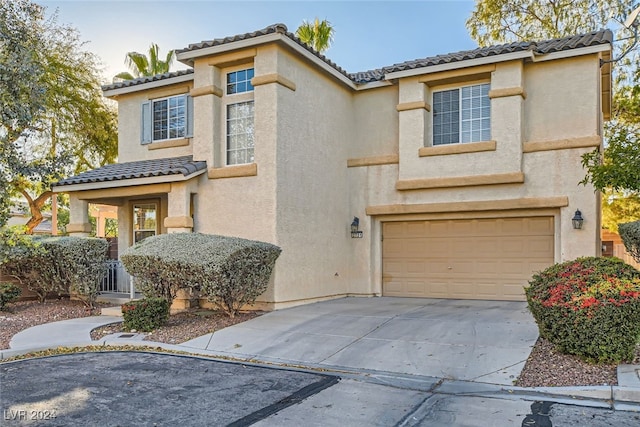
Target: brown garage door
point(468, 259)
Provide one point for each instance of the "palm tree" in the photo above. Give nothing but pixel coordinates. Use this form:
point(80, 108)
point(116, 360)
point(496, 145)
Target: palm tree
point(317, 34)
point(143, 65)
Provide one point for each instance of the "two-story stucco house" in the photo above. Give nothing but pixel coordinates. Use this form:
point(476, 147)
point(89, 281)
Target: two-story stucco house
point(462, 169)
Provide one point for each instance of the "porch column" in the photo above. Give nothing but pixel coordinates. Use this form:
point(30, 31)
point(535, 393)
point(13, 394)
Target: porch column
point(179, 218)
point(79, 224)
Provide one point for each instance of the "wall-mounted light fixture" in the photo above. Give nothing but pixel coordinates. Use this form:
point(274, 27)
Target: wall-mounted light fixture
point(577, 220)
point(631, 23)
point(355, 232)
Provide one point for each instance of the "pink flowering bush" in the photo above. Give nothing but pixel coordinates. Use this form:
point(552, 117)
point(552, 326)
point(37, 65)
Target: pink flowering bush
point(589, 307)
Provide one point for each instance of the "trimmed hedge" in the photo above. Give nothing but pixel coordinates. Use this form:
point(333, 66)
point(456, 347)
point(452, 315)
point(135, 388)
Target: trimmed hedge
point(8, 293)
point(145, 315)
point(59, 265)
point(589, 307)
point(229, 271)
point(630, 233)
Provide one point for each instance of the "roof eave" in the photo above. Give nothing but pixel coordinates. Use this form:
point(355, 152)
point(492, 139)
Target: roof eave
point(319, 62)
point(112, 93)
point(102, 185)
point(188, 57)
point(374, 84)
point(539, 57)
point(458, 64)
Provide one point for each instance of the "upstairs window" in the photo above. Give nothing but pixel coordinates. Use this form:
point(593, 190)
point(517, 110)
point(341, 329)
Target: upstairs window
point(462, 115)
point(240, 133)
point(239, 81)
point(167, 118)
point(239, 117)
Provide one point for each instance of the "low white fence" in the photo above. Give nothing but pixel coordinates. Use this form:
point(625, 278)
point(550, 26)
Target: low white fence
point(117, 280)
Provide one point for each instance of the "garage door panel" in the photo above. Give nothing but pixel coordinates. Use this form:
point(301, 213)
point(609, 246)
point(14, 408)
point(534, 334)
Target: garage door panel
point(470, 259)
point(541, 225)
point(539, 246)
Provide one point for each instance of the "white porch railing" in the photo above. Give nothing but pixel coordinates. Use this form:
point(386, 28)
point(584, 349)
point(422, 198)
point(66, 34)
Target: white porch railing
point(117, 280)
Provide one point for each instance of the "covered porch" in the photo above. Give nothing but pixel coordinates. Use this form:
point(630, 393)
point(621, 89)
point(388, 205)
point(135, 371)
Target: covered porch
point(151, 196)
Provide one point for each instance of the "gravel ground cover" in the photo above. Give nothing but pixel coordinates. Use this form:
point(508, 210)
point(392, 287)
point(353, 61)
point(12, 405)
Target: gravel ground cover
point(25, 314)
point(545, 367)
point(183, 326)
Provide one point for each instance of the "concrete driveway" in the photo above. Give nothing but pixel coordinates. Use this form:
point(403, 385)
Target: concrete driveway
point(484, 341)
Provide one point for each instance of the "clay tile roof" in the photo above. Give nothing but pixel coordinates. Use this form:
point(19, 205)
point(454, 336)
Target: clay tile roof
point(141, 80)
point(275, 28)
point(141, 169)
point(541, 47)
point(573, 42)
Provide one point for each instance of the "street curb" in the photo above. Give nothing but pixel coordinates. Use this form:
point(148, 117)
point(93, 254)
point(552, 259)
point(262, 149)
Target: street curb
point(626, 398)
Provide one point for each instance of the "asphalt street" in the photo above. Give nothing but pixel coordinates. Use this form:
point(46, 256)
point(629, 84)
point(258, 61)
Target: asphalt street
point(154, 389)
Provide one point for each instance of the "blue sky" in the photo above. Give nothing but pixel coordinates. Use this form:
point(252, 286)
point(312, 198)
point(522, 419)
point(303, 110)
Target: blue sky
point(369, 34)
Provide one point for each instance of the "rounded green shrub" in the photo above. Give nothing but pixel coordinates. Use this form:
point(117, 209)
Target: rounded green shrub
point(146, 314)
point(9, 292)
point(229, 271)
point(589, 307)
point(630, 233)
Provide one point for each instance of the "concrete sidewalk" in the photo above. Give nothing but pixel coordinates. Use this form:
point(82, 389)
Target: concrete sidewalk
point(462, 342)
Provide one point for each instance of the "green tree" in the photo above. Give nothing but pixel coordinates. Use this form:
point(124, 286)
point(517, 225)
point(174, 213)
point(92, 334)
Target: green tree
point(53, 118)
point(504, 21)
point(317, 34)
point(142, 65)
point(618, 208)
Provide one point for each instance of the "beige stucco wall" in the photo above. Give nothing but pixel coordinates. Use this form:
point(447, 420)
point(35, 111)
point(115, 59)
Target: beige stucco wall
point(130, 125)
point(375, 122)
point(562, 99)
point(313, 133)
point(542, 113)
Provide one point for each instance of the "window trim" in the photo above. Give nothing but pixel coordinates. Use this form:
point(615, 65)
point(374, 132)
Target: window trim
point(459, 87)
point(137, 203)
point(147, 125)
point(237, 70)
point(233, 99)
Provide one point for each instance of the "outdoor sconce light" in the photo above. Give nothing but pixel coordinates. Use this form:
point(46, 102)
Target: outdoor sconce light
point(577, 220)
point(355, 224)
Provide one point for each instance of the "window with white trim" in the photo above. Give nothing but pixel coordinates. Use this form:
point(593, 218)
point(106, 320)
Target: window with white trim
point(239, 117)
point(462, 115)
point(167, 118)
point(239, 81)
point(145, 222)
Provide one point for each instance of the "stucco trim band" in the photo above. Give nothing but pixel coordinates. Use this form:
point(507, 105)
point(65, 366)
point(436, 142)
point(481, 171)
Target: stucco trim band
point(443, 150)
point(178, 222)
point(508, 91)
point(79, 228)
point(415, 105)
point(178, 90)
point(487, 205)
point(182, 142)
point(460, 181)
point(391, 159)
point(133, 191)
point(273, 78)
point(235, 171)
point(233, 58)
point(562, 144)
point(459, 75)
point(206, 90)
